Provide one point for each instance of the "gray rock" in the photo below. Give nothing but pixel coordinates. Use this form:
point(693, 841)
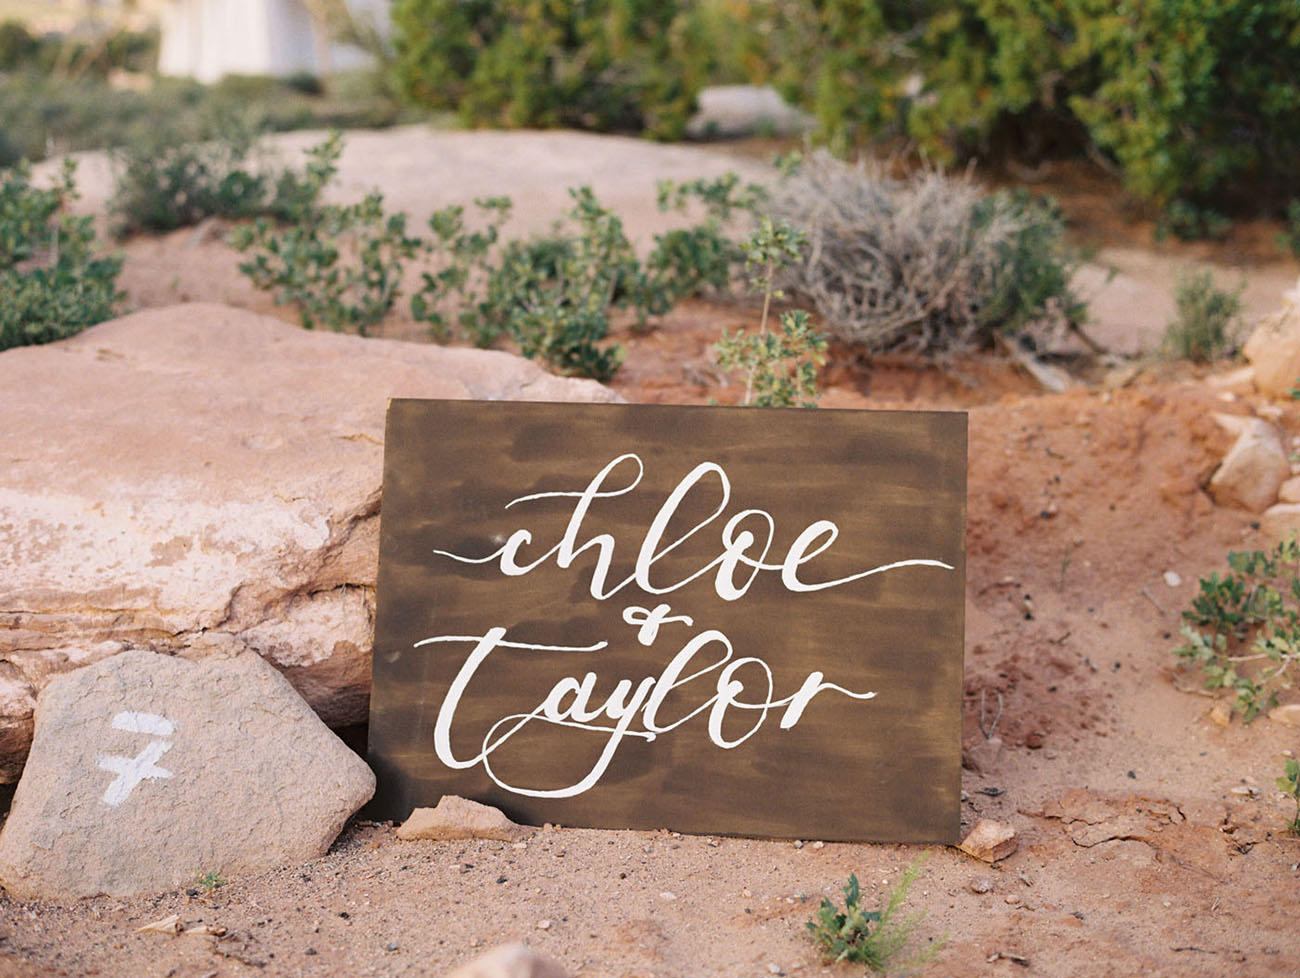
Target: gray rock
point(728, 111)
point(1255, 467)
point(204, 480)
point(148, 770)
point(510, 961)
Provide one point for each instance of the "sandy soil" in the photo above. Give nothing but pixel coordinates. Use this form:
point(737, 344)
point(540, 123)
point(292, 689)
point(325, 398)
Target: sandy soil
point(1152, 840)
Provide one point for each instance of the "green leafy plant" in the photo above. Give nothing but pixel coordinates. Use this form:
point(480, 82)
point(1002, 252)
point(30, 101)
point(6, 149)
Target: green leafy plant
point(780, 367)
point(1192, 100)
point(1243, 629)
point(53, 284)
point(209, 881)
point(340, 264)
point(1289, 784)
point(1188, 222)
point(607, 65)
point(685, 261)
point(875, 938)
point(466, 263)
point(1290, 236)
point(1208, 319)
point(172, 180)
point(556, 295)
point(553, 295)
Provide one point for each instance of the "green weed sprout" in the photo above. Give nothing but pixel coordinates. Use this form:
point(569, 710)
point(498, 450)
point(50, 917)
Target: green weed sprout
point(875, 938)
point(1289, 784)
point(209, 881)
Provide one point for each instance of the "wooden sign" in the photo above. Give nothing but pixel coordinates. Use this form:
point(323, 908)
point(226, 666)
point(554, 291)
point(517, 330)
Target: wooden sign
point(714, 620)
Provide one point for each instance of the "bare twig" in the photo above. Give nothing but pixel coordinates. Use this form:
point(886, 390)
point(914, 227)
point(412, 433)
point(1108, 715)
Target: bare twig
point(992, 727)
point(1147, 594)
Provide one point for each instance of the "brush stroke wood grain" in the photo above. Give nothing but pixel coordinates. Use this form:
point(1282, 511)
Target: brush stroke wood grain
point(884, 769)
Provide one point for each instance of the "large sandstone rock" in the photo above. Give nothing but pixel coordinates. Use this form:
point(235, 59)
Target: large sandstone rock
point(1255, 467)
point(1273, 349)
point(147, 769)
point(201, 480)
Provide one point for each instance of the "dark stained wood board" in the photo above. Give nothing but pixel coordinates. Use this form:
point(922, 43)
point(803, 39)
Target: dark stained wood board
point(883, 769)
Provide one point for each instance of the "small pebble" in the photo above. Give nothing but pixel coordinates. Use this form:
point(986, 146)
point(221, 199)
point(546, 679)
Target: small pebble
point(1013, 899)
point(746, 894)
point(775, 969)
point(819, 845)
point(543, 925)
point(668, 895)
point(981, 884)
point(1172, 579)
point(1246, 790)
point(798, 844)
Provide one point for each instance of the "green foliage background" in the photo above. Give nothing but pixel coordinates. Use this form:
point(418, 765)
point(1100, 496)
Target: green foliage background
point(1195, 101)
point(605, 65)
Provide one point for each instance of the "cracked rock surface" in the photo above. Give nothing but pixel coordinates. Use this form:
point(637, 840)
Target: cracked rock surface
point(199, 480)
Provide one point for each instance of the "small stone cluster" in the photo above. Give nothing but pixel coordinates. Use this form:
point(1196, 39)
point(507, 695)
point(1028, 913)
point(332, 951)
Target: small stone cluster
point(1261, 471)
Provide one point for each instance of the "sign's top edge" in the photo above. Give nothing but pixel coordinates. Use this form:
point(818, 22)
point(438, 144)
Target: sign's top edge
point(729, 408)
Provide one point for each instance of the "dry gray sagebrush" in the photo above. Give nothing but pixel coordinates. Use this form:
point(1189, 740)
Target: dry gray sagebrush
point(924, 264)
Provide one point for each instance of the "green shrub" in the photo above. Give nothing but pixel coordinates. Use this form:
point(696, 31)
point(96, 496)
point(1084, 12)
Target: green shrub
point(18, 46)
point(341, 265)
point(1289, 784)
point(875, 938)
point(606, 65)
point(168, 182)
point(74, 55)
point(704, 256)
point(1194, 100)
point(1243, 629)
point(555, 295)
point(42, 115)
point(466, 265)
point(1187, 222)
point(1208, 319)
point(52, 284)
point(1290, 236)
point(780, 367)
point(552, 295)
point(923, 264)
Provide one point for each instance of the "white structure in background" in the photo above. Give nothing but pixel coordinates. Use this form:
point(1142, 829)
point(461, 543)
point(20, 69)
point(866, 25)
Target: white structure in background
point(208, 39)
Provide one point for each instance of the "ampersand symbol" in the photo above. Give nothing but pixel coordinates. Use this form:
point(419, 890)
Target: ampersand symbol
point(651, 620)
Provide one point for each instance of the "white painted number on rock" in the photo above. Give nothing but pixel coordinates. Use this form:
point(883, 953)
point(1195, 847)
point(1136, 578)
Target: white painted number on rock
point(149, 723)
point(131, 771)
